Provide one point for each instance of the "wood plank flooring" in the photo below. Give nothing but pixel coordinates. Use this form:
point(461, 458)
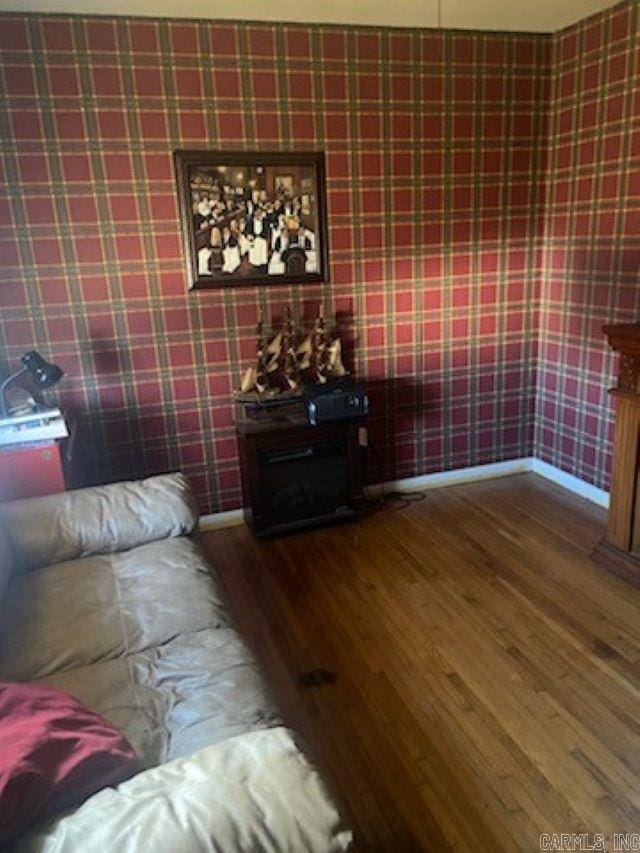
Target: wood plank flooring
point(487, 672)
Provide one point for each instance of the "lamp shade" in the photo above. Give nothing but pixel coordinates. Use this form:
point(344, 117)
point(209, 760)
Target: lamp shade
point(43, 373)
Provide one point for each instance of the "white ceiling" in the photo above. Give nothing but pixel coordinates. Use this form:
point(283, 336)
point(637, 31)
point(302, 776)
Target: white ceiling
point(524, 15)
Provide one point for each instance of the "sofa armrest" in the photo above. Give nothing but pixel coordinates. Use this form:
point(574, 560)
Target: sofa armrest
point(98, 520)
point(254, 792)
point(6, 561)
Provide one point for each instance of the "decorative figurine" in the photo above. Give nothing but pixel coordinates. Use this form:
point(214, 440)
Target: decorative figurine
point(255, 378)
point(281, 367)
point(312, 354)
point(335, 367)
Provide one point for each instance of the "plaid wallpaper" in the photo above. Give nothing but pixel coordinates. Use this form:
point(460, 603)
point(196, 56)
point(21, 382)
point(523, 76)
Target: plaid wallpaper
point(435, 145)
point(592, 236)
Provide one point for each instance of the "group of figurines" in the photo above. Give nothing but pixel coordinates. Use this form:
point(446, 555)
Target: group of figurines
point(252, 234)
point(288, 361)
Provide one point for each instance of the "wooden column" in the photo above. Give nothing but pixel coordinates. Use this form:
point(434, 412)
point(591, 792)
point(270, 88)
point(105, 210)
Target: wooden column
point(622, 544)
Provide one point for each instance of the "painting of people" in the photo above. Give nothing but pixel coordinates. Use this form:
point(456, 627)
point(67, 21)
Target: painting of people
point(251, 219)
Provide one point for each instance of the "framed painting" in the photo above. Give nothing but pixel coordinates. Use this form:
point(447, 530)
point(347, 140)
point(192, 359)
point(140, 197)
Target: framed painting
point(251, 218)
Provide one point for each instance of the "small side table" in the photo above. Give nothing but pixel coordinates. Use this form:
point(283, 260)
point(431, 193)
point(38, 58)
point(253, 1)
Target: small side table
point(31, 470)
point(34, 448)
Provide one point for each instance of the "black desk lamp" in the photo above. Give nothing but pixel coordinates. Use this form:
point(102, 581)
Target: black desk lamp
point(43, 374)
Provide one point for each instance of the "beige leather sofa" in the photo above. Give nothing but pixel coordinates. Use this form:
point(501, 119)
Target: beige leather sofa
point(105, 593)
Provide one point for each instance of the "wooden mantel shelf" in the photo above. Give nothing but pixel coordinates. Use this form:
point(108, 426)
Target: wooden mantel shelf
point(623, 527)
point(623, 337)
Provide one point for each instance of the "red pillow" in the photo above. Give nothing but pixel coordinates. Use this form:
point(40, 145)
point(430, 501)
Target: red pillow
point(54, 753)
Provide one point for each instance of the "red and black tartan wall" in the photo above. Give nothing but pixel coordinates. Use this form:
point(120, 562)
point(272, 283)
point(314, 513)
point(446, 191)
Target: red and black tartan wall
point(592, 236)
point(435, 145)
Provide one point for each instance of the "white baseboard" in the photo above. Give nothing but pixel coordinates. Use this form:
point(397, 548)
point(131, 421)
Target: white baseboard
point(569, 482)
point(220, 520)
point(490, 471)
point(441, 479)
point(451, 478)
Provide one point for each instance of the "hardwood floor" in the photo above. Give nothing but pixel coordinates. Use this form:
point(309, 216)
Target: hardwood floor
point(487, 678)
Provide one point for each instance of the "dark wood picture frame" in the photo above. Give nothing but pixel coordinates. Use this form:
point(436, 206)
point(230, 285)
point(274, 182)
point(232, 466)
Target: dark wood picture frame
point(225, 245)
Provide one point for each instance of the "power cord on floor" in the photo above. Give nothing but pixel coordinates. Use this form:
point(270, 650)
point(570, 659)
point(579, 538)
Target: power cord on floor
point(394, 500)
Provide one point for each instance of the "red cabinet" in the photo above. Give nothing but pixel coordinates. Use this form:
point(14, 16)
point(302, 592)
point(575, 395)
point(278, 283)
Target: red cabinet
point(29, 470)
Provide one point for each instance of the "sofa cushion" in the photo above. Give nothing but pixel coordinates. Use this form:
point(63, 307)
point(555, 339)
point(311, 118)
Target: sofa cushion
point(54, 753)
point(255, 792)
point(195, 690)
point(142, 637)
point(76, 613)
point(111, 689)
point(98, 520)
